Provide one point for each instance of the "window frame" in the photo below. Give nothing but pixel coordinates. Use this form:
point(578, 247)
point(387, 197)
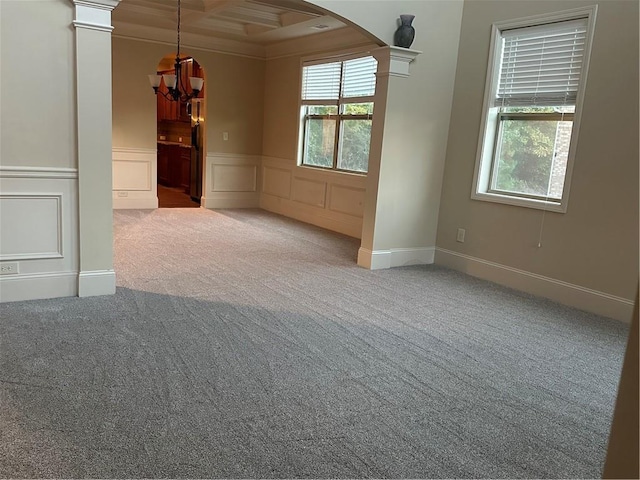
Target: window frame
point(339, 117)
point(490, 121)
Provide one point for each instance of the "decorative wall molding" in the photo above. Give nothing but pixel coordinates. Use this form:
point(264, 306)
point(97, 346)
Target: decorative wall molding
point(97, 282)
point(395, 257)
point(38, 286)
point(328, 199)
point(39, 232)
point(189, 41)
point(400, 59)
point(38, 172)
point(36, 226)
point(231, 180)
point(593, 301)
point(135, 178)
point(94, 15)
point(321, 42)
point(276, 181)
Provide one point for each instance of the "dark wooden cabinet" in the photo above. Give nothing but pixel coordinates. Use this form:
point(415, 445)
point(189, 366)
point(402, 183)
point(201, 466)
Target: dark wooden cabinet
point(163, 164)
point(174, 166)
point(185, 169)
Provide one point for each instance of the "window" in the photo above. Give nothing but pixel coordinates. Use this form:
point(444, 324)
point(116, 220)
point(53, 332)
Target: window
point(337, 110)
point(534, 87)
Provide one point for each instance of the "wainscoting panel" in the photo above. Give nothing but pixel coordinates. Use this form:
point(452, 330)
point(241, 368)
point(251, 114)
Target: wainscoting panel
point(328, 199)
point(135, 178)
point(231, 181)
point(310, 192)
point(234, 178)
point(38, 232)
point(347, 200)
point(32, 226)
point(277, 182)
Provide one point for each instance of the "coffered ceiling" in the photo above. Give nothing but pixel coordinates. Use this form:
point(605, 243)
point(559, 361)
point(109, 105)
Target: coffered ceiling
point(225, 24)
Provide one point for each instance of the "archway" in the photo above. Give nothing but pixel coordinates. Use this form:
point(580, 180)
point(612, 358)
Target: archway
point(180, 137)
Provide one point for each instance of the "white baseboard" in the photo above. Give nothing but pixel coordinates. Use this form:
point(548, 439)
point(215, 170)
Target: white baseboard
point(566, 293)
point(38, 286)
point(231, 200)
point(128, 203)
point(395, 257)
point(98, 282)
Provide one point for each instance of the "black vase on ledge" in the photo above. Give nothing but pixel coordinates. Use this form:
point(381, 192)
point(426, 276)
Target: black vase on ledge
point(405, 33)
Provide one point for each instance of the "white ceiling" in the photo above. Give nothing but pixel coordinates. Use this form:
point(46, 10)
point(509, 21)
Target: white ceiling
point(257, 22)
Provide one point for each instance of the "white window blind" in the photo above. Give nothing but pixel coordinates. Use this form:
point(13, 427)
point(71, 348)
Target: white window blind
point(348, 79)
point(541, 65)
point(359, 79)
point(321, 81)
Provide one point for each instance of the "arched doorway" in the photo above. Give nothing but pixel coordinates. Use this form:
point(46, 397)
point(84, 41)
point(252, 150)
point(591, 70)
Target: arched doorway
point(180, 137)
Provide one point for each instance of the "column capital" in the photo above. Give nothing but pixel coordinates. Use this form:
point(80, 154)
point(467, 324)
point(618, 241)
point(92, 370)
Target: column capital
point(99, 4)
point(394, 61)
point(94, 14)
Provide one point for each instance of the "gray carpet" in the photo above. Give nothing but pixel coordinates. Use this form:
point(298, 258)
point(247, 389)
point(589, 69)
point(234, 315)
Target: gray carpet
point(243, 344)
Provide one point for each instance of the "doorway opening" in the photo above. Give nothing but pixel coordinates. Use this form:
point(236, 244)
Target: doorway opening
point(180, 138)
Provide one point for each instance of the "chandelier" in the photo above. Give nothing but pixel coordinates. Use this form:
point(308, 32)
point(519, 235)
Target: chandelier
point(174, 83)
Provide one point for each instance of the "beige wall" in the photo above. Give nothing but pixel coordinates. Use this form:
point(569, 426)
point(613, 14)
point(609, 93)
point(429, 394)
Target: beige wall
point(282, 86)
point(37, 118)
point(595, 244)
point(234, 95)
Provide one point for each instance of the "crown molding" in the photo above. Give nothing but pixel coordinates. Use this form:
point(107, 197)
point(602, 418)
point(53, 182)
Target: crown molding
point(188, 40)
point(341, 39)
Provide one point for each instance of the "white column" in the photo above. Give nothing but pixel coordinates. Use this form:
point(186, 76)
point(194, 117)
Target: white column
point(93, 86)
point(393, 68)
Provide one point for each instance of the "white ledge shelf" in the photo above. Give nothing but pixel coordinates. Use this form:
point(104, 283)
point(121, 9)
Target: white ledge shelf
point(400, 58)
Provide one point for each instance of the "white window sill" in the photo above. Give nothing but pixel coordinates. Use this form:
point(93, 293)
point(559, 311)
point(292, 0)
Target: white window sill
point(549, 206)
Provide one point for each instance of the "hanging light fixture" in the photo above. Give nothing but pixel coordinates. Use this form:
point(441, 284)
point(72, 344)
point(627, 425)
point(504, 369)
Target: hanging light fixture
point(177, 91)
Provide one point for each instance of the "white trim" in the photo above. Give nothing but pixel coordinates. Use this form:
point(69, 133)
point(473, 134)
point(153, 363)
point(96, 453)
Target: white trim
point(58, 253)
point(215, 200)
point(126, 151)
point(92, 26)
point(332, 41)
point(98, 4)
point(38, 286)
point(141, 197)
point(94, 15)
point(593, 301)
point(189, 41)
point(133, 203)
point(96, 282)
point(400, 59)
point(38, 172)
point(395, 257)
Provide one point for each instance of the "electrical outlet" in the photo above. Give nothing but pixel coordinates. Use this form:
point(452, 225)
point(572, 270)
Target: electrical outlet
point(9, 268)
point(123, 194)
point(179, 139)
point(225, 136)
point(460, 236)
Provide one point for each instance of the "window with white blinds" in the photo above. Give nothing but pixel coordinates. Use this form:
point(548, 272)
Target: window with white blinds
point(322, 81)
point(541, 65)
point(359, 77)
point(535, 85)
point(353, 78)
point(337, 113)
